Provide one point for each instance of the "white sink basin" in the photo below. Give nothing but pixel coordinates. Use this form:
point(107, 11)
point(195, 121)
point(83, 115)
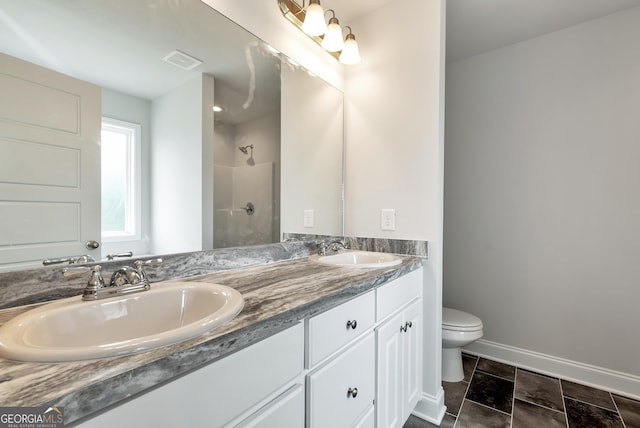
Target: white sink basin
point(72, 329)
point(358, 259)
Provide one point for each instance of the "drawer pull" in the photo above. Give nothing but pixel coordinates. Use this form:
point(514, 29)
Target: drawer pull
point(408, 324)
point(352, 324)
point(352, 392)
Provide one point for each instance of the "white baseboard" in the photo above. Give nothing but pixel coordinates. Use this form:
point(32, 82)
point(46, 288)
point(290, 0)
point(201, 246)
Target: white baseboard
point(431, 408)
point(617, 382)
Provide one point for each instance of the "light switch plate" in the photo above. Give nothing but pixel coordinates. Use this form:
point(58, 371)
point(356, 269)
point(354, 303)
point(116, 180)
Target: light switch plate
point(308, 218)
point(388, 219)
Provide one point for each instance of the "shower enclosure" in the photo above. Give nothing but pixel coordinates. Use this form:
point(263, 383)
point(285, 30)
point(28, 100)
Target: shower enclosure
point(246, 186)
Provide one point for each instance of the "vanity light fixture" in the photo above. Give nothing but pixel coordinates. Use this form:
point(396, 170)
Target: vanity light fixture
point(328, 36)
point(332, 40)
point(314, 24)
point(350, 53)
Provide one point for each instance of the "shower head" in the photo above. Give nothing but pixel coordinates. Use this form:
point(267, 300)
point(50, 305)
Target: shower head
point(245, 149)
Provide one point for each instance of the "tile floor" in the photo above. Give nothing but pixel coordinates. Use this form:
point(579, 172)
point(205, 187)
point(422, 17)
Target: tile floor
point(496, 395)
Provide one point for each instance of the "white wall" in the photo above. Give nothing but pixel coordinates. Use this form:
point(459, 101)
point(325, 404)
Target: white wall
point(182, 144)
point(541, 194)
point(394, 148)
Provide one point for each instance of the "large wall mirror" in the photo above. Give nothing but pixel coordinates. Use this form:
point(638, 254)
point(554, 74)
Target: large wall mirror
point(156, 127)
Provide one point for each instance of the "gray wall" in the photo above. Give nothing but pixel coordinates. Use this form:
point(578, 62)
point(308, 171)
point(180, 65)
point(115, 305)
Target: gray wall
point(542, 193)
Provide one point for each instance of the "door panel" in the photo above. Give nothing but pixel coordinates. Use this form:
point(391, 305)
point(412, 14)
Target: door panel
point(49, 164)
point(388, 403)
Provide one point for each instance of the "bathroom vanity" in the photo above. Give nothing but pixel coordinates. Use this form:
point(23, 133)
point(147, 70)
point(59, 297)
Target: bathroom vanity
point(315, 345)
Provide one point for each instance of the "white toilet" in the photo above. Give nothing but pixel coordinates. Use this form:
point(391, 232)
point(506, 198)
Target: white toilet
point(458, 329)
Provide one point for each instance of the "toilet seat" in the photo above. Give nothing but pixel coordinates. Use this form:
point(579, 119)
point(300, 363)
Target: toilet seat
point(455, 320)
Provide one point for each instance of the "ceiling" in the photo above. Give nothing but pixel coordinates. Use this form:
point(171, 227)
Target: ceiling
point(39, 31)
point(476, 26)
point(119, 45)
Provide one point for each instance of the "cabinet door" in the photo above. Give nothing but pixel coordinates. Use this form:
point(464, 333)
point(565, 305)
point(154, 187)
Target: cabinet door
point(388, 403)
point(218, 393)
point(368, 420)
point(411, 358)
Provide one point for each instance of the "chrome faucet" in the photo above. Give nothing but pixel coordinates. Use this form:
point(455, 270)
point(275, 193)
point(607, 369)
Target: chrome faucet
point(124, 280)
point(333, 246)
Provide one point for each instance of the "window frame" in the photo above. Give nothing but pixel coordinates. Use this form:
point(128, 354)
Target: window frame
point(133, 209)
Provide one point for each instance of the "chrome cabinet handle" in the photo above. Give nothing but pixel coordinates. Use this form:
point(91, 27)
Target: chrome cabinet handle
point(352, 392)
point(92, 245)
point(352, 324)
point(408, 324)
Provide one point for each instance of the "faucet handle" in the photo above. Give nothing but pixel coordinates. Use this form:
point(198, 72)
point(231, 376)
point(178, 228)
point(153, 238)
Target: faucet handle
point(94, 283)
point(140, 264)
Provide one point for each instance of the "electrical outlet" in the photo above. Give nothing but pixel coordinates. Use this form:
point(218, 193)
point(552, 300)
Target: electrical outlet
point(308, 218)
point(388, 219)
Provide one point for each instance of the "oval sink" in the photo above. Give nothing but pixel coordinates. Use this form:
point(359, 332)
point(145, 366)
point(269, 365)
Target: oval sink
point(359, 259)
point(72, 329)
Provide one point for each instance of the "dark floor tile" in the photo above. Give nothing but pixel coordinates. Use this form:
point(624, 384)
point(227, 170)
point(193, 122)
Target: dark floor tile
point(491, 391)
point(583, 415)
point(474, 415)
point(629, 411)
point(414, 422)
point(448, 421)
point(453, 395)
point(469, 365)
point(539, 389)
point(497, 369)
point(527, 415)
point(588, 394)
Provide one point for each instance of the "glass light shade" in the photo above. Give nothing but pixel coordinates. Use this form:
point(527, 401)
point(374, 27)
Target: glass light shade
point(350, 53)
point(332, 40)
point(314, 24)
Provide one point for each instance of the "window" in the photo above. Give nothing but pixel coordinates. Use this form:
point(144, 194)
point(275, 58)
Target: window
point(121, 188)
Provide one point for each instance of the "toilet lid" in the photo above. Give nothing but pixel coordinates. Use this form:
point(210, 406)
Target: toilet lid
point(453, 319)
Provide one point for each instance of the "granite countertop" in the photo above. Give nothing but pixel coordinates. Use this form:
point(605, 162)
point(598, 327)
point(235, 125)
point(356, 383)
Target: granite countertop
point(277, 295)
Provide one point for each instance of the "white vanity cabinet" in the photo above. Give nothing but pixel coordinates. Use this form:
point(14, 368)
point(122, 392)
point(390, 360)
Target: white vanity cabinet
point(256, 386)
point(399, 349)
point(341, 363)
point(358, 365)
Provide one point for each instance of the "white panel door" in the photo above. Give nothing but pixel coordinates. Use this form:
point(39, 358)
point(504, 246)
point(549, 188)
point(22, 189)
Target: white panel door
point(50, 128)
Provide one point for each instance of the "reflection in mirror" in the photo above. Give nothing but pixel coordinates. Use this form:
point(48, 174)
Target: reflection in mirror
point(216, 135)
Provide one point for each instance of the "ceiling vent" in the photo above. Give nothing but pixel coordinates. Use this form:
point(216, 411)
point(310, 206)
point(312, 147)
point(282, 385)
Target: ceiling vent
point(182, 60)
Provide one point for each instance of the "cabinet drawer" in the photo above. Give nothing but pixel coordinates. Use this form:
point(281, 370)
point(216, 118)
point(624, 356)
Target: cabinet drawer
point(331, 330)
point(286, 411)
point(329, 402)
point(397, 293)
